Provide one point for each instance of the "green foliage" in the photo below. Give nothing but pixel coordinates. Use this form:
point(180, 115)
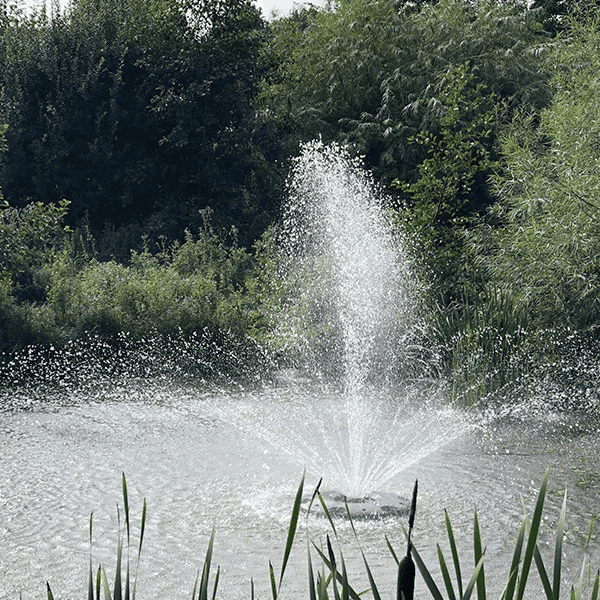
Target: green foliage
point(29, 238)
point(540, 242)
point(137, 112)
point(198, 285)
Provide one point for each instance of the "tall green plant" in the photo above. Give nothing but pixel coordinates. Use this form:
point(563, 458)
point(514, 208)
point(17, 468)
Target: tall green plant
point(541, 240)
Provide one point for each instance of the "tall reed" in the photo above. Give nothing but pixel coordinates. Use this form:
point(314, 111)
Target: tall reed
point(331, 579)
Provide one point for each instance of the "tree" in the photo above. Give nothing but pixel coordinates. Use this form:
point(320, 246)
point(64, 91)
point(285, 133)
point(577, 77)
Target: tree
point(541, 241)
point(139, 112)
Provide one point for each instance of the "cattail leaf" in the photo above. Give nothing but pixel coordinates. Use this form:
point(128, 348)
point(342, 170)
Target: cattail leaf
point(391, 549)
point(353, 594)
point(91, 579)
point(478, 553)
point(474, 579)
point(292, 528)
point(216, 584)
point(203, 594)
point(125, 504)
point(454, 551)
point(445, 574)
point(272, 579)
point(98, 582)
point(509, 591)
point(107, 595)
point(596, 587)
point(532, 539)
point(426, 575)
point(543, 574)
point(117, 589)
point(312, 591)
point(195, 586)
point(558, 549)
point(327, 514)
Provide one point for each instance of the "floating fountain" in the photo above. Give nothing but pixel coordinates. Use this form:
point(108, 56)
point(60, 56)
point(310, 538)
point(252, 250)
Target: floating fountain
point(351, 317)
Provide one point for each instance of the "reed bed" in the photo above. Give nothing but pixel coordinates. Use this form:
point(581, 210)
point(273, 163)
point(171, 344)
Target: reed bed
point(331, 580)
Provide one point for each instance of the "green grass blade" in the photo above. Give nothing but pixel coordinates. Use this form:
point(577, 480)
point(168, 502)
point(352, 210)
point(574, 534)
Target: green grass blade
point(125, 503)
point(216, 584)
point(558, 550)
point(332, 562)
point(251, 588)
point(392, 551)
point(478, 554)
point(203, 594)
point(454, 551)
point(117, 589)
point(327, 514)
point(532, 539)
point(195, 586)
point(91, 581)
point(137, 567)
point(292, 528)
point(426, 575)
point(543, 575)
point(509, 591)
point(272, 578)
point(445, 574)
point(142, 529)
point(353, 594)
point(49, 591)
point(107, 595)
point(590, 532)
point(474, 579)
point(312, 591)
point(374, 590)
point(596, 587)
point(313, 497)
point(98, 582)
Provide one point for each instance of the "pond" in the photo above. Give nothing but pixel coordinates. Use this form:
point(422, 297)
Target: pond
point(198, 465)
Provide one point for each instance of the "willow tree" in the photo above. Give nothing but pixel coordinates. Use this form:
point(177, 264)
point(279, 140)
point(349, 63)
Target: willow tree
point(541, 241)
point(421, 90)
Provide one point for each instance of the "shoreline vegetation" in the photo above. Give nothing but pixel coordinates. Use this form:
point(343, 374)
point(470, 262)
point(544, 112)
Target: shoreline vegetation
point(145, 148)
point(328, 577)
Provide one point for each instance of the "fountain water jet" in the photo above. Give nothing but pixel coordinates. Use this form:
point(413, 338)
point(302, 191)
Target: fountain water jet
point(351, 315)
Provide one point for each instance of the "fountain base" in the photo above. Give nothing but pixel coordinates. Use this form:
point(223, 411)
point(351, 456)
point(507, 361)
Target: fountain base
point(375, 505)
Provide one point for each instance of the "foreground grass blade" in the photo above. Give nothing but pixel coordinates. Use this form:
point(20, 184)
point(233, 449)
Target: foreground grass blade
point(391, 549)
point(272, 578)
point(509, 591)
point(478, 555)
point(543, 575)
point(454, 551)
point(91, 581)
point(107, 595)
point(532, 539)
point(328, 564)
point(446, 575)
point(558, 549)
point(426, 575)
point(474, 579)
point(292, 529)
point(216, 584)
point(374, 590)
point(596, 587)
point(49, 591)
point(203, 594)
